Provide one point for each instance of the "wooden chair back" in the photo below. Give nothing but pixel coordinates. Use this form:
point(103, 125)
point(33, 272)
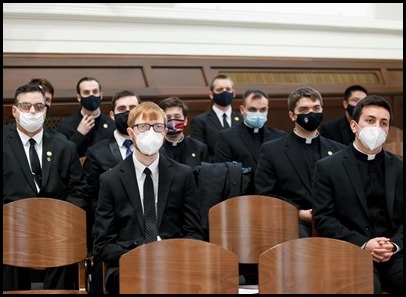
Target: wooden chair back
point(395, 134)
point(315, 265)
point(178, 266)
point(249, 225)
point(395, 147)
point(43, 233)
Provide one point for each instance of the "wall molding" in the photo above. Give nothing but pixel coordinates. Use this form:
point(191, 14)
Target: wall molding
point(118, 28)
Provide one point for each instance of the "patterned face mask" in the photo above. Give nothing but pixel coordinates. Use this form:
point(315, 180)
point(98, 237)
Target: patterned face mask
point(175, 126)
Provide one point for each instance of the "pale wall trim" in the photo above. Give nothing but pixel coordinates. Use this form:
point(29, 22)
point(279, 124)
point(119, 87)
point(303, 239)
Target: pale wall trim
point(109, 28)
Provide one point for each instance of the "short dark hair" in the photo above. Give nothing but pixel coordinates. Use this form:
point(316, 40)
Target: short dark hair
point(348, 92)
point(45, 84)
point(86, 78)
point(258, 93)
point(372, 100)
point(28, 88)
point(121, 94)
point(220, 76)
point(173, 102)
point(301, 92)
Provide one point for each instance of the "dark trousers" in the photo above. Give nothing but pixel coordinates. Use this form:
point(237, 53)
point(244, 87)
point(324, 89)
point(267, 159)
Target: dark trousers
point(96, 286)
point(112, 281)
point(305, 229)
point(388, 276)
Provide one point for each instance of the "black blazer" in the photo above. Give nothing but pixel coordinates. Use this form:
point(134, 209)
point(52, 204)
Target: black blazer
point(62, 174)
point(101, 157)
point(282, 170)
point(195, 152)
point(119, 223)
point(338, 130)
point(103, 129)
point(339, 202)
point(236, 144)
point(205, 126)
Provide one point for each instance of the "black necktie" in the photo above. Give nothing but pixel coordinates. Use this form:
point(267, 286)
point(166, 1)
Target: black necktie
point(127, 144)
point(225, 123)
point(149, 208)
point(35, 165)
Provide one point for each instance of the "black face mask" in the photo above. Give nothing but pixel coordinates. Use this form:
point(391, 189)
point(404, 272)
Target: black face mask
point(310, 121)
point(350, 109)
point(121, 121)
point(224, 99)
point(90, 103)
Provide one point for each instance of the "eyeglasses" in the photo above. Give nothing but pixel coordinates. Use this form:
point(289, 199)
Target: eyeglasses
point(144, 127)
point(25, 106)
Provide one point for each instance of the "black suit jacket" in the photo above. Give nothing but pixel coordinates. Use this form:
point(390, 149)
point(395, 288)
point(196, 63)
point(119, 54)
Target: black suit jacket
point(282, 171)
point(62, 174)
point(205, 126)
point(340, 207)
point(236, 144)
point(195, 152)
point(338, 130)
point(119, 225)
point(103, 129)
point(100, 158)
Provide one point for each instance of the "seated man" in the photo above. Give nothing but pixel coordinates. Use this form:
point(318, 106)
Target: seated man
point(339, 129)
point(358, 194)
point(241, 143)
point(145, 198)
point(184, 149)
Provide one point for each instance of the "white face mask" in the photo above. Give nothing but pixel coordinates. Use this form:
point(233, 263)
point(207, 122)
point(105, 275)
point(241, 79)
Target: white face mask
point(372, 137)
point(31, 121)
point(149, 142)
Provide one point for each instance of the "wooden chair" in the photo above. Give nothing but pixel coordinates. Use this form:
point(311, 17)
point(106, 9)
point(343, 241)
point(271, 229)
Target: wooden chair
point(249, 225)
point(315, 265)
point(395, 134)
point(395, 147)
point(42, 233)
point(178, 266)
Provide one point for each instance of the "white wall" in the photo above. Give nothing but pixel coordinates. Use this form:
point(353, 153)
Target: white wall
point(327, 30)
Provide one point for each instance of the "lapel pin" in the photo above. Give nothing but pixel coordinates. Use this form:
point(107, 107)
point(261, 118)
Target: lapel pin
point(105, 125)
point(236, 118)
point(193, 155)
point(49, 154)
point(329, 153)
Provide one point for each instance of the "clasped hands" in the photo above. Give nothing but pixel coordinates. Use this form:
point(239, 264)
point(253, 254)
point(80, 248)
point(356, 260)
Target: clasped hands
point(380, 248)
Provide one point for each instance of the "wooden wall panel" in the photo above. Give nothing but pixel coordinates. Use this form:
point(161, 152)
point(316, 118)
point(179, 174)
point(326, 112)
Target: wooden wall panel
point(157, 77)
point(178, 77)
point(64, 79)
